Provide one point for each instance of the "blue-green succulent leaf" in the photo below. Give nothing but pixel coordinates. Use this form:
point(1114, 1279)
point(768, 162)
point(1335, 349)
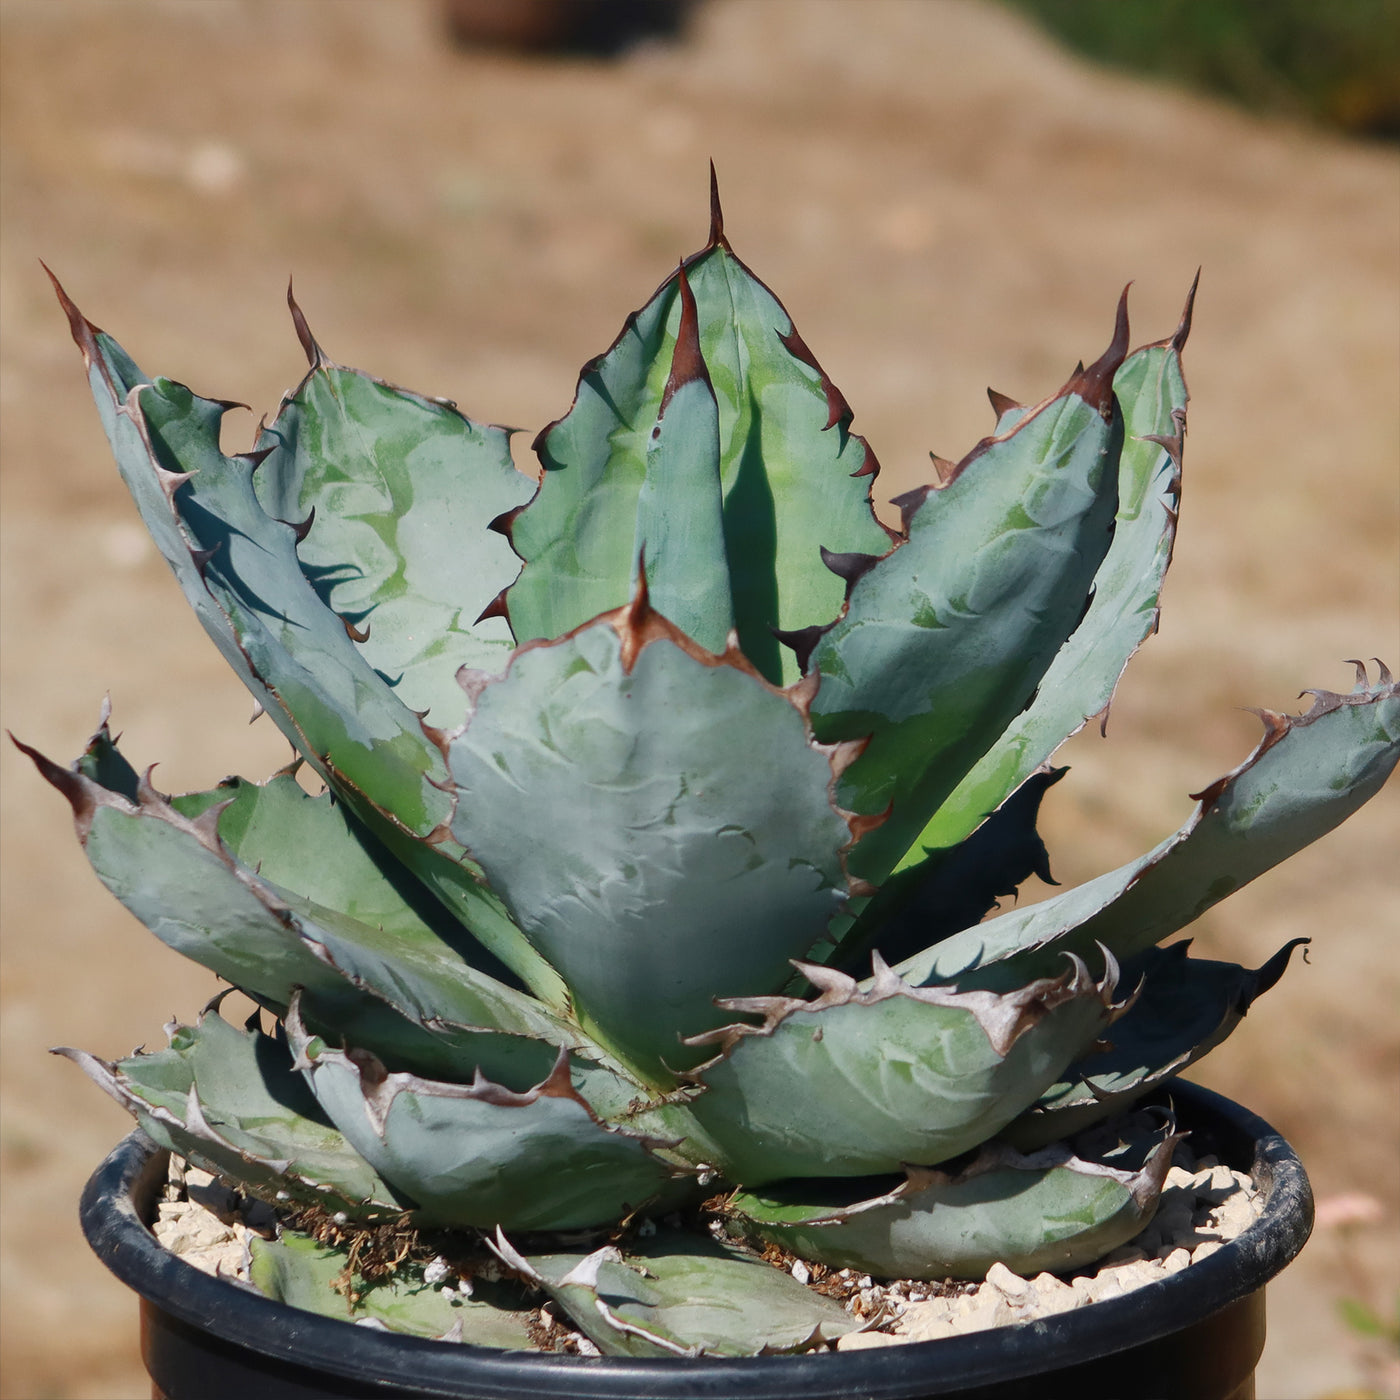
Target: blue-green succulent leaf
point(794, 479)
point(859, 1082)
point(658, 820)
point(403, 491)
point(1306, 776)
point(299, 1272)
point(679, 1294)
point(1047, 1210)
point(238, 568)
point(944, 640)
point(199, 873)
point(480, 1154)
point(230, 1102)
point(1122, 614)
point(1185, 1008)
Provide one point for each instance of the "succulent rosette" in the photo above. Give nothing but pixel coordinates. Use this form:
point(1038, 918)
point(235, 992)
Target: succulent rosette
point(665, 803)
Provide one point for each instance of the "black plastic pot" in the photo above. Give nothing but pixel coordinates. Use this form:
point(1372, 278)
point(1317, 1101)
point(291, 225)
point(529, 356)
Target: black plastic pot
point(1196, 1335)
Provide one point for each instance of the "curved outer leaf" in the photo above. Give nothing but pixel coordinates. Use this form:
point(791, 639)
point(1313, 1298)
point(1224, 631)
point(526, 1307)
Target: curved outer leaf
point(403, 490)
point(783, 435)
point(856, 1082)
point(481, 1154)
point(1185, 1008)
point(297, 1271)
point(238, 568)
point(372, 968)
point(1307, 775)
point(658, 820)
point(303, 1274)
point(231, 1103)
point(1050, 1210)
point(1122, 614)
point(944, 640)
point(680, 1294)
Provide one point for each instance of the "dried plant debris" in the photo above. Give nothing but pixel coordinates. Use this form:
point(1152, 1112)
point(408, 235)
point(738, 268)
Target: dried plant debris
point(1204, 1204)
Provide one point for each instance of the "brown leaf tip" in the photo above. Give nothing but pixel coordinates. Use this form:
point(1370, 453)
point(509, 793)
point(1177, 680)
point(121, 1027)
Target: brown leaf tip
point(314, 356)
point(687, 361)
point(82, 795)
point(637, 622)
point(1183, 329)
point(84, 333)
point(717, 238)
point(1095, 384)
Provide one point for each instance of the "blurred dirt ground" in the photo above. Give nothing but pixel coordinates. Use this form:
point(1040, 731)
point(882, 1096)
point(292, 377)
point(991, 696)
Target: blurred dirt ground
point(943, 200)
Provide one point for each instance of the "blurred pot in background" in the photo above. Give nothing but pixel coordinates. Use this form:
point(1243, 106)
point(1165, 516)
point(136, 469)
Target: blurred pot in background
point(603, 27)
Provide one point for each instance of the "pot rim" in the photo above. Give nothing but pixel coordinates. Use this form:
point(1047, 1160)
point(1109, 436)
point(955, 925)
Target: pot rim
point(112, 1222)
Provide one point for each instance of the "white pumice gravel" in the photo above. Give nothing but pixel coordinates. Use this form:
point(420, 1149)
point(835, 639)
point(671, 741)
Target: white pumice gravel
point(207, 1225)
point(1204, 1204)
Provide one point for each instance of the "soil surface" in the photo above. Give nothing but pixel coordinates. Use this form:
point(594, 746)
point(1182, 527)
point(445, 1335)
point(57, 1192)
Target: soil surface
point(944, 200)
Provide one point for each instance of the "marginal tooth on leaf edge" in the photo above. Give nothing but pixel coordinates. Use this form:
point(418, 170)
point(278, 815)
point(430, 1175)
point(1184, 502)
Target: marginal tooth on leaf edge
point(848, 567)
point(1002, 404)
point(838, 410)
point(496, 607)
point(802, 640)
point(908, 504)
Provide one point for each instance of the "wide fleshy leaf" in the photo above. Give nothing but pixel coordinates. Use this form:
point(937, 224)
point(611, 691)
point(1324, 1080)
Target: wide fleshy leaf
point(481, 1154)
point(858, 1082)
point(403, 491)
point(303, 1274)
point(230, 1102)
point(682, 1295)
point(794, 479)
point(657, 819)
point(1307, 775)
point(1185, 1008)
point(372, 965)
point(1080, 681)
point(944, 640)
point(238, 568)
point(1047, 1210)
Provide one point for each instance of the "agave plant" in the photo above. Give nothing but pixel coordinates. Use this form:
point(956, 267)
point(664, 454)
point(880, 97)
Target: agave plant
point(664, 805)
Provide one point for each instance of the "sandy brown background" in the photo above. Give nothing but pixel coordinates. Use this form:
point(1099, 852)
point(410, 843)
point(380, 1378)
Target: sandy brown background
point(943, 199)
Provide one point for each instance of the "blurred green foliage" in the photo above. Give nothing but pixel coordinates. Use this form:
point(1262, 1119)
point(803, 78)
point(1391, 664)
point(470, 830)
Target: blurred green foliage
point(1365, 1321)
point(1332, 61)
